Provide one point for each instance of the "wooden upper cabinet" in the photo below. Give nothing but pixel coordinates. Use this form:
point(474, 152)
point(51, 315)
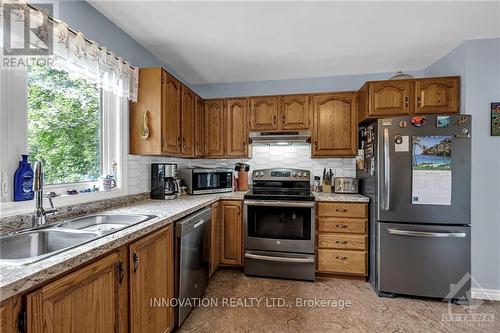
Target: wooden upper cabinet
point(264, 113)
point(231, 233)
point(334, 125)
point(151, 276)
point(388, 98)
point(147, 113)
point(437, 95)
point(87, 300)
point(199, 131)
point(214, 128)
point(172, 119)
point(236, 127)
point(188, 105)
point(294, 112)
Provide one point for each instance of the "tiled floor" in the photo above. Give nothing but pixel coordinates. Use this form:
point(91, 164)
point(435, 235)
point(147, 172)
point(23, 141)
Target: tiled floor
point(368, 312)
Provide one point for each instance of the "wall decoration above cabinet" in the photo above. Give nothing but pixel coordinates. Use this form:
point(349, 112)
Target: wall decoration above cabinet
point(389, 98)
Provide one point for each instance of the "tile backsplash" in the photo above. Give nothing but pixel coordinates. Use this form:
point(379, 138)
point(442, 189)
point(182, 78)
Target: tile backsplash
point(263, 157)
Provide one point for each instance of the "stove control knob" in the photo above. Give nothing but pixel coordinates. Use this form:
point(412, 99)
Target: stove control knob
point(300, 174)
point(261, 174)
point(304, 174)
point(294, 174)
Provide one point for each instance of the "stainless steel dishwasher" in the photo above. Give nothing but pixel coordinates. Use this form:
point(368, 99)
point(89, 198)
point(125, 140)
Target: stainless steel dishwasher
point(192, 253)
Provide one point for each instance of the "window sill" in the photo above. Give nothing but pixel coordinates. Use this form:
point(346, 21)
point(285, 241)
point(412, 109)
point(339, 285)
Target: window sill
point(24, 207)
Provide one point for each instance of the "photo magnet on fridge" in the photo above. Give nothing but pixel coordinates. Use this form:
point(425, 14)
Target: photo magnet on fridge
point(495, 119)
point(418, 121)
point(442, 121)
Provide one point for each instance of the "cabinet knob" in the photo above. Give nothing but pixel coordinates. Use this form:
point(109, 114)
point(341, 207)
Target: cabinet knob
point(121, 271)
point(283, 119)
point(274, 119)
point(419, 101)
point(136, 261)
point(407, 102)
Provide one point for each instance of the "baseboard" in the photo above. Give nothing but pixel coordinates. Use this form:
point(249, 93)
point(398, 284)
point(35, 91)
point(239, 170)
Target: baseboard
point(486, 294)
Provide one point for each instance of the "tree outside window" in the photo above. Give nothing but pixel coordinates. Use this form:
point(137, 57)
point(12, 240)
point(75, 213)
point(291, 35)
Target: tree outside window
point(64, 125)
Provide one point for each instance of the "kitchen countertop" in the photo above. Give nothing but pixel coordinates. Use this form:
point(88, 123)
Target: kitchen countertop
point(15, 279)
point(339, 197)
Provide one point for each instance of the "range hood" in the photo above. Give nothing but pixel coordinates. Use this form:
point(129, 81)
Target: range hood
point(280, 138)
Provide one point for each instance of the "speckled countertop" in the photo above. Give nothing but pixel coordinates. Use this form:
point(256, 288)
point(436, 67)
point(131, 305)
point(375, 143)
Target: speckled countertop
point(20, 278)
point(338, 197)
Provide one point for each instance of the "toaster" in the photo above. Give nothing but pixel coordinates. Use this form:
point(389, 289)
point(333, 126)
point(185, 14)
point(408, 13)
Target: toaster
point(345, 185)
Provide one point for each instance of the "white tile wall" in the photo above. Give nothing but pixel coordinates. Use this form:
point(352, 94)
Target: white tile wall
point(263, 157)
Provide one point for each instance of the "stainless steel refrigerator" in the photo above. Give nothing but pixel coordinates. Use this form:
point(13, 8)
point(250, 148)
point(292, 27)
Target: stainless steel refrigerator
point(416, 171)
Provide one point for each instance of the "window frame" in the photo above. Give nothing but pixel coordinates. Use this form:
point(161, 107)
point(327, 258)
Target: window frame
point(13, 98)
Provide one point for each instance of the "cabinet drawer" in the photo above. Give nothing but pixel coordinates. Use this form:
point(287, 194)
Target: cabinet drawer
point(344, 225)
point(342, 209)
point(342, 261)
point(342, 241)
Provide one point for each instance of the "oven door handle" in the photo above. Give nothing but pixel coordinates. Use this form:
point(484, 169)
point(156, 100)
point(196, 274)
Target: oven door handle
point(279, 203)
point(280, 259)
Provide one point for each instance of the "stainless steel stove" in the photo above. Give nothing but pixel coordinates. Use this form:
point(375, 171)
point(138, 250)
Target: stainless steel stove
point(279, 224)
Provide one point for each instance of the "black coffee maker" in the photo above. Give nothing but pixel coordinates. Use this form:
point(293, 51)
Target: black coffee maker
point(164, 182)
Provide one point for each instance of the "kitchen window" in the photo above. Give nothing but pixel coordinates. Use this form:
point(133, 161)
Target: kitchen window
point(64, 125)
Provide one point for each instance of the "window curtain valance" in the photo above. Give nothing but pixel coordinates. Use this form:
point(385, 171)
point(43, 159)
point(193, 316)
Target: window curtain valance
point(72, 51)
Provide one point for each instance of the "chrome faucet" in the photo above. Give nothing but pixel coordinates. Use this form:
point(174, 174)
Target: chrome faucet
point(39, 215)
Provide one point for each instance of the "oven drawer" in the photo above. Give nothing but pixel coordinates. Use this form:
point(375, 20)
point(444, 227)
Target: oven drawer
point(344, 225)
point(342, 209)
point(342, 261)
point(342, 241)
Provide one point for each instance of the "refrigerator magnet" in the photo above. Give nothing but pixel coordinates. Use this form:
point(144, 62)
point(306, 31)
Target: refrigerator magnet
point(462, 121)
point(418, 121)
point(403, 124)
point(402, 143)
point(442, 121)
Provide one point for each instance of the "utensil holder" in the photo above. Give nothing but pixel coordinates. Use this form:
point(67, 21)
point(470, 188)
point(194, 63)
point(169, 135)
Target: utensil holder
point(242, 181)
point(326, 188)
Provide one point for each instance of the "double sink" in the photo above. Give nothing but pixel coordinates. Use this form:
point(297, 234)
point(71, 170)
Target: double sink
point(36, 244)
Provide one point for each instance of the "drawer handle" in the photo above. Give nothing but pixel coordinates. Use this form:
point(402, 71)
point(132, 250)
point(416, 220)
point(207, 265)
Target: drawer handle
point(340, 226)
point(341, 210)
point(341, 258)
point(341, 242)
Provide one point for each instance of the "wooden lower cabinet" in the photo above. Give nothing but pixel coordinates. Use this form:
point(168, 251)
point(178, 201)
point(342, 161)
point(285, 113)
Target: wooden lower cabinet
point(214, 239)
point(152, 276)
point(231, 247)
point(342, 238)
point(90, 299)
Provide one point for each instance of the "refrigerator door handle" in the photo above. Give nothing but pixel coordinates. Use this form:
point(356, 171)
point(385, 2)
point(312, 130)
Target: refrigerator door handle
point(387, 172)
point(414, 233)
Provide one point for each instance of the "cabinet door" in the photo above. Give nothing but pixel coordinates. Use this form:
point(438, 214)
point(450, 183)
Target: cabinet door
point(199, 131)
point(335, 125)
point(214, 128)
point(438, 95)
point(214, 238)
point(231, 237)
point(87, 300)
point(187, 121)
point(151, 277)
point(172, 110)
point(236, 127)
point(390, 98)
point(147, 113)
point(264, 113)
point(294, 112)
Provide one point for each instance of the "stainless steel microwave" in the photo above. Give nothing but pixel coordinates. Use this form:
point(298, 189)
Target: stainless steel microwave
point(204, 181)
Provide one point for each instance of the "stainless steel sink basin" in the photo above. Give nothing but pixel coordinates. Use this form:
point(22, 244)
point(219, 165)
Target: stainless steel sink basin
point(33, 245)
point(37, 244)
point(104, 223)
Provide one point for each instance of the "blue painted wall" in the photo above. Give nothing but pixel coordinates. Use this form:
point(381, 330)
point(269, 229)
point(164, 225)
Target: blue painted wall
point(478, 62)
point(292, 86)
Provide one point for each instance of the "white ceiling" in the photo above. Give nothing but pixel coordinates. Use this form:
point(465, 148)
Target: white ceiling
point(209, 42)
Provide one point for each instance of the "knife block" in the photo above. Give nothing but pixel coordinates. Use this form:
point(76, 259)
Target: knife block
point(326, 188)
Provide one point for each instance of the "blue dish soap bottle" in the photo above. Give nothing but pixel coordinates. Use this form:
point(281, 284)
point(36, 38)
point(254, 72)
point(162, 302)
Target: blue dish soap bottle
point(23, 181)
